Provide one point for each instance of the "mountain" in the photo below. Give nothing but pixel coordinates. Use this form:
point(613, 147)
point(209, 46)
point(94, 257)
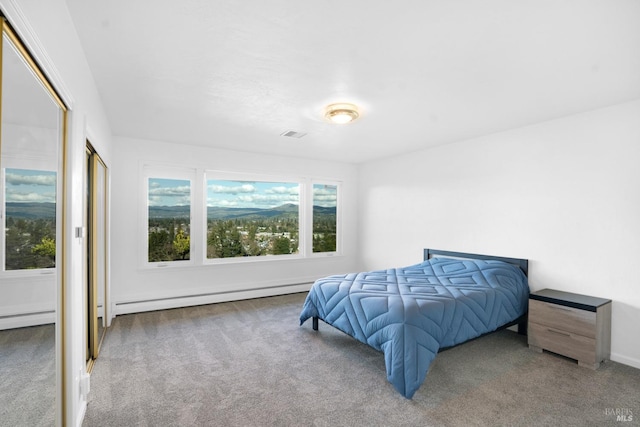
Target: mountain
point(319, 211)
point(31, 210)
point(288, 210)
point(169, 211)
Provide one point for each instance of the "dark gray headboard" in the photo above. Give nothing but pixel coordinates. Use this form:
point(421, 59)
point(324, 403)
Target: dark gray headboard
point(523, 264)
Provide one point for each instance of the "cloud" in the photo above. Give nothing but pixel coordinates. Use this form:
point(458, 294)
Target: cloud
point(20, 179)
point(247, 194)
point(283, 190)
point(236, 189)
point(288, 198)
point(181, 191)
point(23, 197)
point(326, 196)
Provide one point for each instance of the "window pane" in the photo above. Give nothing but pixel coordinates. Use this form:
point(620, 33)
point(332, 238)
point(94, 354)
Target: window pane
point(30, 227)
point(247, 218)
point(169, 219)
point(325, 199)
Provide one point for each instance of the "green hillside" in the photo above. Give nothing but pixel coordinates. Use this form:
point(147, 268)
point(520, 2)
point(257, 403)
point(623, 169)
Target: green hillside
point(31, 210)
point(216, 213)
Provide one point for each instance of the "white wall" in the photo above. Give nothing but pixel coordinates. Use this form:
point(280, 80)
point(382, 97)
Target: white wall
point(47, 30)
point(165, 287)
point(563, 194)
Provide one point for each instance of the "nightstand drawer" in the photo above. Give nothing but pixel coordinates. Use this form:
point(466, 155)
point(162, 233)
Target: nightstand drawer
point(558, 341)
point(563, 319)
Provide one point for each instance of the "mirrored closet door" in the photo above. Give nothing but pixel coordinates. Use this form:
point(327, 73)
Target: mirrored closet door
point(32, 139)
point(96, 313)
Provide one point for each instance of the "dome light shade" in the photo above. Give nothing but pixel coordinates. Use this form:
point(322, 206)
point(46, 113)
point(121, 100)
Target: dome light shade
point(341, 113)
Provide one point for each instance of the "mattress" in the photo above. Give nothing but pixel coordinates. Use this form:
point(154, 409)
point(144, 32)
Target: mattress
point(410, 313)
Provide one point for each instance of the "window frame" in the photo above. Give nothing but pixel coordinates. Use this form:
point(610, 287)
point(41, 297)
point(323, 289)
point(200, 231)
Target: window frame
point(213, 174)
point(338, 251)
point(167, 172)
point(31, 162)
point(198, 180)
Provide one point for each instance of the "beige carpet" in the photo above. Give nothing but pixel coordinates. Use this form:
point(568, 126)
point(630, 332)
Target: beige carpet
point(27, 376)
point(248, 363)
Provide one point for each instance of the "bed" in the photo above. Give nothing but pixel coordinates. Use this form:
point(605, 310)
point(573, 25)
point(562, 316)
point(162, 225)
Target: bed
point(411, 313)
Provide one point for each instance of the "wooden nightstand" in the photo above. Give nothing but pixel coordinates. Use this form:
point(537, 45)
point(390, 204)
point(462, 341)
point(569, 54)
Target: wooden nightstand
point(573, 325)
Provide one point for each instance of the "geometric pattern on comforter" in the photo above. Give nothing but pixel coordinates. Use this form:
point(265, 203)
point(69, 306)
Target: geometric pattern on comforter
point(410, 313)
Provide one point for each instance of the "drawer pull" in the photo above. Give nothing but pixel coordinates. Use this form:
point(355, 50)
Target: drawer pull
point(564, 334)
point(559, 307)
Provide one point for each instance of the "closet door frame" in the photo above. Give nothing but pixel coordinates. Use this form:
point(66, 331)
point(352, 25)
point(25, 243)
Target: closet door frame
point(62, 244)
point(96, 257)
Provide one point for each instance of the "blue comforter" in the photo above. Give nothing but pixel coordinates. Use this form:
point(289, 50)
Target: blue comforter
point(410, 313)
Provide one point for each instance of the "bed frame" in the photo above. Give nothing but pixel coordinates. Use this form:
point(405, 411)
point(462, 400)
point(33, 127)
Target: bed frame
point(522, 264)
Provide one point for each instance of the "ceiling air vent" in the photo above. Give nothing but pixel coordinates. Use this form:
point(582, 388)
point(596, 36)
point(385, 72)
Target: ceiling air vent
point(293, 134)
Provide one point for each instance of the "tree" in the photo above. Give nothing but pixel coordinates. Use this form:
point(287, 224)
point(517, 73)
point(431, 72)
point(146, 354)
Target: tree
point(158, 246)
point(324, 234)
point(281, 246)
point(47, 249)
point(182, 244)
point(224, 240)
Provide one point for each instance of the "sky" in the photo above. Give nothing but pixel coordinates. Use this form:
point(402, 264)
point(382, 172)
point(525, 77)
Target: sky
point(27, 185)
point(248, 194)
point(169, 192)
point(237, 194)
point(325, 195)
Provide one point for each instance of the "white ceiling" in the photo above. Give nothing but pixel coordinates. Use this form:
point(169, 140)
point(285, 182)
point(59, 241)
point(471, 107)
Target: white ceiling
point(237, 74)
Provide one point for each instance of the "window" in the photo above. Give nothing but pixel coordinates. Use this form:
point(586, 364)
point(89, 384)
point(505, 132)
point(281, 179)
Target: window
point(229, 217)
point(169, 219)
point(30, 219)
point(252, 218)
point(325, 218)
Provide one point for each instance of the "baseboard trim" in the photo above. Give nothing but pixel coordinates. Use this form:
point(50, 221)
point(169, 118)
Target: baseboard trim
point(625, 360)
point(209, 298)
point(27, 319)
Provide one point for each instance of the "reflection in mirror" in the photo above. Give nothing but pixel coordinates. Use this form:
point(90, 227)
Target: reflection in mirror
point(101, 249)
point(96, 255)
point(30, 193)
point(30, 219)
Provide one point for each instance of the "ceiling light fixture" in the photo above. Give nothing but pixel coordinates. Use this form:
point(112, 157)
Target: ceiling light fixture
point(341, 113)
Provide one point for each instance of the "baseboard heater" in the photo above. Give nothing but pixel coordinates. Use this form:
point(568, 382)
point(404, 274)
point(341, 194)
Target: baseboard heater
point(23, 320)
point(152, 304)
